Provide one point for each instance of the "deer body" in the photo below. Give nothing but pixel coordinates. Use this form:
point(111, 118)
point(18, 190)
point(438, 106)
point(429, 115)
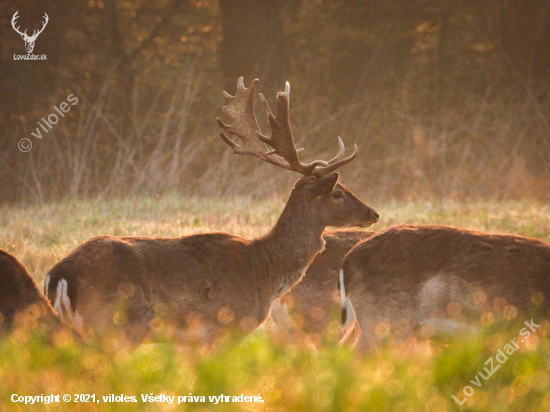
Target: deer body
point(22, 304)
point(198, 285)
point(212, 280)
point(433, 280)
point(312, 298)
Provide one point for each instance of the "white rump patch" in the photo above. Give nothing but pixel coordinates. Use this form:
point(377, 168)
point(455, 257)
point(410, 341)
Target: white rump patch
point(351, 316)
point(46, 285)
point(62, 302)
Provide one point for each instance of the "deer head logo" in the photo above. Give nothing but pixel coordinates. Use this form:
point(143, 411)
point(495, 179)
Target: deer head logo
point(29, 40)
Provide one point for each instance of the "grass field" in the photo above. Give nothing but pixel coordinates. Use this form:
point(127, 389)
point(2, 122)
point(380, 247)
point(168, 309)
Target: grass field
point(290, 376)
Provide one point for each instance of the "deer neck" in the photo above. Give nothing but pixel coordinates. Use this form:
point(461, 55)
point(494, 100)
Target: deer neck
point(289, 248)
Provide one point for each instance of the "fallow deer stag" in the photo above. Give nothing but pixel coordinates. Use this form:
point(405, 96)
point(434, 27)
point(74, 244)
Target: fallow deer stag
point(201, 284)
point(312, 299)
point(22, 304)
point(439, 282)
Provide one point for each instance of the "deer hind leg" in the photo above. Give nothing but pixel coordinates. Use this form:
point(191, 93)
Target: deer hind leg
point(384, 316)
point(110, 300)
point(103, 315)
point(132, 301)
point(139, 315)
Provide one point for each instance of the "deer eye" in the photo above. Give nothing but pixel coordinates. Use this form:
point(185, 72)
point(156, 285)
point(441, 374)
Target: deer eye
point(337, 195)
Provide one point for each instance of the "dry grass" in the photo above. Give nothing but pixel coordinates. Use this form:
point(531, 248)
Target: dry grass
point(290, 376)
point(41, 235)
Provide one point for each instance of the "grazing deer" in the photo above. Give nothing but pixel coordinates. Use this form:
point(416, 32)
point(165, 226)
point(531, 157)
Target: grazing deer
point(201, 284)
point(312, 298)
point(22, 304)
point(439, 281)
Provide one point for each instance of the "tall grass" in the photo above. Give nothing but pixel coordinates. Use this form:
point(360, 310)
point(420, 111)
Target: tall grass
point(289, 377)
point(289, 374)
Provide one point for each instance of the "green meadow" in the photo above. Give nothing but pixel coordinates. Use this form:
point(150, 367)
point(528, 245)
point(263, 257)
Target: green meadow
point(289, 374)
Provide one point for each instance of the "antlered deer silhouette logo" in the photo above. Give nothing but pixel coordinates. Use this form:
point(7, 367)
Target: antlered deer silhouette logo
point(29, 40)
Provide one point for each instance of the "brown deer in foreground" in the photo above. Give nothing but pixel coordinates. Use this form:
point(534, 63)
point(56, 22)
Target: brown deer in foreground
point(311, 300)
point(200, 285)
point(22, 304)
point(439, 281)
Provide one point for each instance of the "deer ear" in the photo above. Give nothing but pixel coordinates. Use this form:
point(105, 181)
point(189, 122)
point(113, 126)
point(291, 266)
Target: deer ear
point(324, 185)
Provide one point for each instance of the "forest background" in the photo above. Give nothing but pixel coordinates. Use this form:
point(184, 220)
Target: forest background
point(445, 99)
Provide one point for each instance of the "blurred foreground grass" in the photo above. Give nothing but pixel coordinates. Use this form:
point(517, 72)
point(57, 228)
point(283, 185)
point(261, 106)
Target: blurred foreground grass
point(290, 376)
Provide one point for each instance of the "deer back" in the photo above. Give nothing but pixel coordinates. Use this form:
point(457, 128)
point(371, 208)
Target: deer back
point(406, 275)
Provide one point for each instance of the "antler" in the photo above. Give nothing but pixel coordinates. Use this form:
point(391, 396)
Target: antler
point(281, 138)
point(15, 16)
point(241, 109)
point(37, 32)
point(337, 161)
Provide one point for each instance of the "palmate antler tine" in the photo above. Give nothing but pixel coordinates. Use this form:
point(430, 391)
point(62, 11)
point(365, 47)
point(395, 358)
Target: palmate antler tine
point(281, 138)
point(240, 108)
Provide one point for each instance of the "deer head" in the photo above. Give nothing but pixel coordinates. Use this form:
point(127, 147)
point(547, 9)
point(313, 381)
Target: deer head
point(319, 189)
point(29, 40)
